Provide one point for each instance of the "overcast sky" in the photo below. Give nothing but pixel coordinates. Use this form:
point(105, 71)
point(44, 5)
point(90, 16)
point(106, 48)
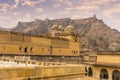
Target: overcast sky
point(12, 11)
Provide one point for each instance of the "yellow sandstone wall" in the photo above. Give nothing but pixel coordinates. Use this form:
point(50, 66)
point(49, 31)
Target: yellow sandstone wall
point(5, 37)
point(108, 58)
point(13, 37)
point(40, 72)
point(41, 41)
point(75, 48)
point(15, 43)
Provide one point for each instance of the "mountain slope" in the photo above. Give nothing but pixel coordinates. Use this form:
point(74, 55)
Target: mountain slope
point(95, 34)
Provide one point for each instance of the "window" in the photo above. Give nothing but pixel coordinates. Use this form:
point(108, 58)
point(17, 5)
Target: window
point(86, 71)
point(42, 49)
point(115, 75)
point(20, 49)
point(74, 52)
point(90, 72)
point(104, 74)
point(31, 49)
point(33, 62)
point(28, 62)
point(25, 50)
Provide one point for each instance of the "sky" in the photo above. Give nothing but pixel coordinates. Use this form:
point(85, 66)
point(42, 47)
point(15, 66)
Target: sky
point(14, 11)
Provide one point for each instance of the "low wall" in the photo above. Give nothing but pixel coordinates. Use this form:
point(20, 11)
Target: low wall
point(23, 73)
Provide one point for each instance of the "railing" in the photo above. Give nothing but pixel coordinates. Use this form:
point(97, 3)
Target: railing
point(27, 62)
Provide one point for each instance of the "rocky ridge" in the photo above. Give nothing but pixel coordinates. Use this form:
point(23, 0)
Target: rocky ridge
point(95, 34)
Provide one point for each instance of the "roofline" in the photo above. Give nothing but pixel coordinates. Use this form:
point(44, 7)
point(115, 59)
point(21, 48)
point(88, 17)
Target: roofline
point(32, 35)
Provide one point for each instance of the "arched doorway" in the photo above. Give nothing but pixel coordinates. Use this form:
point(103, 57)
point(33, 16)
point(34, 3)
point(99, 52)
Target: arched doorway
point(115, 75)
point(90, 72)
point(104, 74)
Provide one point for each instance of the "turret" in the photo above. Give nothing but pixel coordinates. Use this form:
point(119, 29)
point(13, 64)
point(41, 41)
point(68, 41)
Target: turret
point(68, 33)
point(56, 30)
point(69, 29)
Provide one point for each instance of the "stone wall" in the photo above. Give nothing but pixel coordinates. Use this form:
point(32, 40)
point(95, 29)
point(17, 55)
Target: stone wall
point(23, 73)
point(18, 43)
point(109, 58)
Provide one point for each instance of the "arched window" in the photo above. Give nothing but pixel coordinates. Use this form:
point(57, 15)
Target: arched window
point(104, 74)
point(90, 72)
point(115, 75)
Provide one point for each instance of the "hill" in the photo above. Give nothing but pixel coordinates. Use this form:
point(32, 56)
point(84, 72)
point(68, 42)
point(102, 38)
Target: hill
point(95, 34)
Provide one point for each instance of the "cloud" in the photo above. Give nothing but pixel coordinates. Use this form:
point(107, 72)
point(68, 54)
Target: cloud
point(85, 7)
point(25, 18)
point(64, 12)
point(4, 7)
point(68, 9)
point(56, 5)
point(93, 4)
point(10, 19)
point(39, 10)
point(66, 2)
point(4, 17)
point(81, 15)
point(6, 20)
point(28, 3)
point(31, 3)
point(16, 13)
point(111, 10)
point(97, 2)
point(16, 4)
point(44, 16)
